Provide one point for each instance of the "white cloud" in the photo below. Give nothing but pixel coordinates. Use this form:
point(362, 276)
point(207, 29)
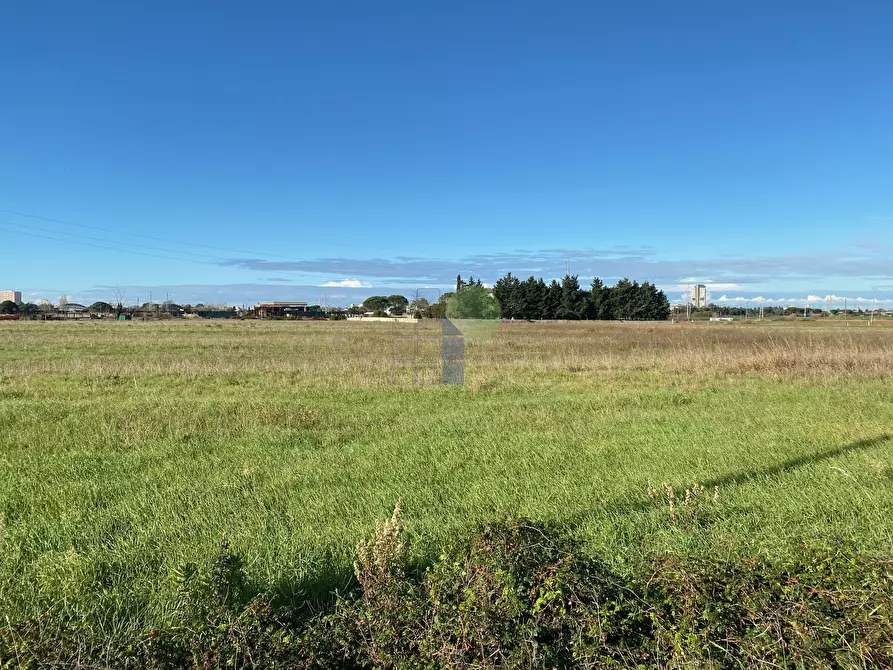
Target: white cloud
point(686, 282)
point(346, 283)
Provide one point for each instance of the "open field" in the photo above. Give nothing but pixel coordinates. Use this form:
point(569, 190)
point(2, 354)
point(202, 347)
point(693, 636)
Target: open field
point(128, 450)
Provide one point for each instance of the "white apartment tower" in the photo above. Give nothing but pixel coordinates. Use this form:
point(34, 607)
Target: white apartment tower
point(12, 296)
point(698, 296)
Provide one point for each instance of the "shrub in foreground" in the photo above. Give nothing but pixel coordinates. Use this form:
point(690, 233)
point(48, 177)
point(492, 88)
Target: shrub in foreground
point(509, 595)
point(819, 609)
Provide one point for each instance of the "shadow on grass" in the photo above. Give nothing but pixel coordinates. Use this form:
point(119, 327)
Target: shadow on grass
point(734, 478)
point(630, 506)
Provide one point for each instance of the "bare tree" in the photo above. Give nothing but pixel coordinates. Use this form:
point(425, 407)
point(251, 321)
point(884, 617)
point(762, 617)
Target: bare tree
point(119, 300)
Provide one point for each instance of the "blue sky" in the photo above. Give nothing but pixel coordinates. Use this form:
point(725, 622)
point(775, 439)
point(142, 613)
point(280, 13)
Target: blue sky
point(235, 151)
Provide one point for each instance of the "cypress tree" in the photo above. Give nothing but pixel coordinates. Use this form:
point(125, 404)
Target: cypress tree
point(657, 307)
point(600, 300)
point(572, 304)
point(638, 302)
point(662, 311)
point(623, 296)
point(522, 312)
point(552, 300)
point(532, 298)
point(542, 291)
point(506, 293)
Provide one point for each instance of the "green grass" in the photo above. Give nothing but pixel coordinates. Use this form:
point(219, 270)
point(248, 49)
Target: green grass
point(128, 450)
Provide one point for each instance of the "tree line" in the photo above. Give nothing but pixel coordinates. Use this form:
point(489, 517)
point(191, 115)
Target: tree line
point(382, 305)
point(534, 299)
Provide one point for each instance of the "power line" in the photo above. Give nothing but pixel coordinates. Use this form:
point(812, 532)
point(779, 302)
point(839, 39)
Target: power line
point(102, 239)
point(147, 237)
point(98, 246)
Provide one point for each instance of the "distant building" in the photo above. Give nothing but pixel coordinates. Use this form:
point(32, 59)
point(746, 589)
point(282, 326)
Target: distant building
point(12, 296)
point(698, 296)
point(72, 308)
point(272, 310)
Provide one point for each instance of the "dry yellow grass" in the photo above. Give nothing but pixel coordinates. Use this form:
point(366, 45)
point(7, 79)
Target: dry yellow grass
point(361, 354)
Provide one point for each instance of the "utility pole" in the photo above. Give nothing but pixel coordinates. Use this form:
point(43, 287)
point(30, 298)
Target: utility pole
point(874, 299)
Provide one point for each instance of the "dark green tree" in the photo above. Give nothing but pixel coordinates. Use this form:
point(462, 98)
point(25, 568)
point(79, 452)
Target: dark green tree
point(658, 307)
point(542, 290)
point(552, 300)
point(599, 300)
point(532, 298)
point(623, 299)
point(507, 293)
point(640, 303)
point(397, 304)
point(376, 303)
point(572, 305)
point(8, 307)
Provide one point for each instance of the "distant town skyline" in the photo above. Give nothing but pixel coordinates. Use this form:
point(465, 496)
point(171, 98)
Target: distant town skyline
point(247, 295)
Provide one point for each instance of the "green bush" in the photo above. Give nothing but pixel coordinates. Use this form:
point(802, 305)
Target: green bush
point(822, 608)
point(472, 302)
point(509, 595)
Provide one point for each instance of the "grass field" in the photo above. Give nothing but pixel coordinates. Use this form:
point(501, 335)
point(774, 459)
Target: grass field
point(128, 450)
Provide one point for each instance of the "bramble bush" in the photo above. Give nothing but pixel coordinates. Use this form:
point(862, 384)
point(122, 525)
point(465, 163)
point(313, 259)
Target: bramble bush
point(514, 594)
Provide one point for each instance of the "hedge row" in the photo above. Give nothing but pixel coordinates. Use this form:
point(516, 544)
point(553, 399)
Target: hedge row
point(510, 595)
